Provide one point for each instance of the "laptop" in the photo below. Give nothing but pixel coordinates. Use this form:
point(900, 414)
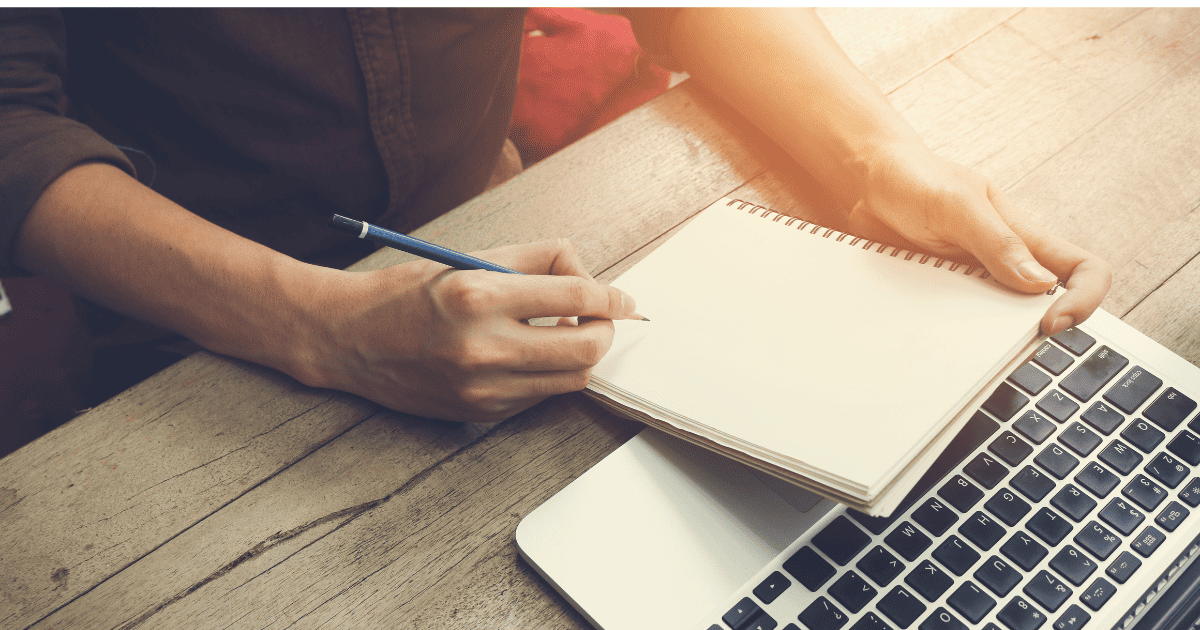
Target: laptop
point(1071, 499)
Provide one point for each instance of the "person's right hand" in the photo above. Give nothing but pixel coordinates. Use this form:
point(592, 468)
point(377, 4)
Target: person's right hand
point(437, 342)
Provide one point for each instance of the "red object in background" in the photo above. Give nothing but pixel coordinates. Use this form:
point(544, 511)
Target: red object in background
point(579, 70)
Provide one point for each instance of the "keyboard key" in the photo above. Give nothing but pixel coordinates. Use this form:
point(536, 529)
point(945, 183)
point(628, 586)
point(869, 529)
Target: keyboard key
point(1073, 617)
point(770, 588)
point(1057, 406)
point(763, 622)
point(1094, 373)
point(1167, 469)
point(1097, 479)
point(985, 470)
point(1019, 614)
point(1190, 493)
point(869, 621)
point(822, 615)
point(1075, 340)
point(741, 614)
point(1073, 502)
point(997, 575)
point(1032, 483)
point(878, 524)
point(1121, 457)
point(901, 606)
point(1121, 515)
point(852, 591)
point(1010, 448)
point(956, 555)
point(1097, 539)
point(808, 568)
point(1049, 526)
point(1023, 551)
point(971, 602)
point(908, 541)
point(1144, 492)
point(1170, 409)
point(928, 580)
point(1186, 446)
point(1131, 390)
point(941, 619)
point(1103, 418)
point(1123, 567)
point(1072, 565)
point(1142, 435)
point(1007, 507)
point(1172, 516)
point(1057, 461)
point(1047, 590)
point(1005, 402)
point(880, 565)
point(1147, 542)
point(960, 493)
point(841, 540)
point(982, 531)
point(1030, 379)
point(1034, 426)
point(1080, 439)
point(1098, 594)
point(934, 516)
point(1054, 360)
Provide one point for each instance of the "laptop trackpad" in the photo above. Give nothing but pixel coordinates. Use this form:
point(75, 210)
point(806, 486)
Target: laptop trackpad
point(660, 531)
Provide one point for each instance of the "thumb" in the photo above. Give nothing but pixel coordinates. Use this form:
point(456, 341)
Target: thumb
point(551, 257)
point(1005, 254)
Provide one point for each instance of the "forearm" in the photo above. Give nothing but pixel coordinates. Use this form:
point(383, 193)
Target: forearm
point(122, 245)
point(792, 80)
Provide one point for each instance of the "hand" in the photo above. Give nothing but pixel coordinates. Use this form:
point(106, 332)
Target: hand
point(452, 344)
point(951, 210)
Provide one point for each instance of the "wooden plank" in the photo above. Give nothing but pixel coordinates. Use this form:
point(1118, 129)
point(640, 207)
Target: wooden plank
point(1170, 315)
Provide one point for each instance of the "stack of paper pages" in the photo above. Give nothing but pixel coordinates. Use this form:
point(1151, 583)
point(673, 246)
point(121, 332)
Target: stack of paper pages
point(842, 365)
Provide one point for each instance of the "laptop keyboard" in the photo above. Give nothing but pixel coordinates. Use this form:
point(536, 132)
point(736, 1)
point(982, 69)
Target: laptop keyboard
point(1041, 508)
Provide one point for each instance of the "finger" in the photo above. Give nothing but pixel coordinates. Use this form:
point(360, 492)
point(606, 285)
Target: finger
point(564, 347)
point(565, 296)
point(990, 236)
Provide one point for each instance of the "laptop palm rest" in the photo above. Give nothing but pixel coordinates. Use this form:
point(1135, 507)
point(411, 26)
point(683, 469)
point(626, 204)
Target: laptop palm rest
point(661, 531)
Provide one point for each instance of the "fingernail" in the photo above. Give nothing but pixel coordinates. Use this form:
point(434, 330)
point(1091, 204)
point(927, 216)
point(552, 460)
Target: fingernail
point(1034, 272)
point(1061, 323)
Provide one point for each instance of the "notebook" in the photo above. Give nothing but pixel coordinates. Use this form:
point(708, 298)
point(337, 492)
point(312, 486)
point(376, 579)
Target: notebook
point(1067, 500)
point(759, 326)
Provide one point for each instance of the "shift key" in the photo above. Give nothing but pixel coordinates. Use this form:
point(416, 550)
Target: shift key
point(1100, 368)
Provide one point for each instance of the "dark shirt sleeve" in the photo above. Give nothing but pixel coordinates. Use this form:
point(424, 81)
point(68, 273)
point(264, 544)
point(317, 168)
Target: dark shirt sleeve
point(37, 141)
point(652, 27)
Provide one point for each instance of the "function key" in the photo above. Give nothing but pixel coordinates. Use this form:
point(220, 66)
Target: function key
point(1147, 541)
point(1142, 435)
point(1187, 446)
point(1080, 439)
point(986, 471)
point(1047, 590)
point(1057, 461)
point(822, 615)
point(982, 531)
point(1123, 567)
point(880, 565)
point(1057, 406)
point(1010, 448)
point(1097, 539)
point(1032, 483)
point(1190, 493)
point(928, 580)
point(1095, 372)
point(960, 493)
point(741, 614)
point(956, 555)
point(1075, 340)
point(1144, 492)
point(841, 540)
point(1122, 516)
point(771, 587)
point(901, 606)
point(1170, 409)
point(1072, 618)
point(1030, 379)
point(1007, 507)
point(934, 516)
point(1097, 479)
point(808, 568)
point(1097, 594)
point(1034, 426)
point(1103, 418)
point(1167, 469)
point(1049, 526)
point(1019, 614)
point(1005, 402)
point(971, 602)
point(852, 591)
point(1054, 360)
point(908, 541)
point(1172, 516)
point(1023, 550)
point(1073, 502)
point(1131, 390)
point(1073, 565)
point(1121, 457)
point(998, 576)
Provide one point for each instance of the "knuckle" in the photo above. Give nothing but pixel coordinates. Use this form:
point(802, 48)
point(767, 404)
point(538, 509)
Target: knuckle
point(577, 294)
point(1010, 243)
point(473, 356)
point(468, 295)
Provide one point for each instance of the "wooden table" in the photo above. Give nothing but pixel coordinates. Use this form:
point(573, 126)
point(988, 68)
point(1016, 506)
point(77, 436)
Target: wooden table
point(218, 494)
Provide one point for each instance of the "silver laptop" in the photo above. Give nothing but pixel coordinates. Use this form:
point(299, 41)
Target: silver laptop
point(1070, 500)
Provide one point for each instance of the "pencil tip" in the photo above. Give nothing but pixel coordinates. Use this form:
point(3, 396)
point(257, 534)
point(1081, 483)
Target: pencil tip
point(637, 316)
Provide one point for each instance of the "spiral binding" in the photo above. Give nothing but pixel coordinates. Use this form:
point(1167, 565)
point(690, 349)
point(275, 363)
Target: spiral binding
point(880, 248)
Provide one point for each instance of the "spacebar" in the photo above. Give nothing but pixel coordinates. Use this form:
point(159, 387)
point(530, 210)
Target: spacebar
point(978, 429)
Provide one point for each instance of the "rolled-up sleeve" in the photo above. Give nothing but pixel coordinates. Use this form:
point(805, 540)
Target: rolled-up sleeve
point(37, 141)
point(652, 27)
